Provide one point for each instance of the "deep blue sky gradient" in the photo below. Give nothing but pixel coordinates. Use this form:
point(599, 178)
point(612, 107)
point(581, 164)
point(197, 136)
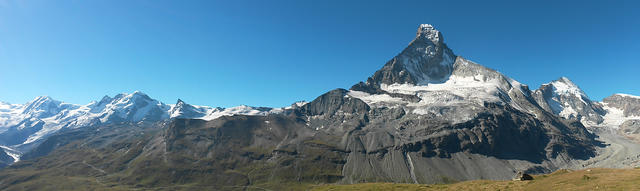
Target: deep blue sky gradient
point(272, 53)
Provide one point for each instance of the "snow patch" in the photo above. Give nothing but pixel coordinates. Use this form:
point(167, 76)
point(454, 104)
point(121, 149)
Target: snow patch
point(375, 99)
point(473, 88)
point(615, 117)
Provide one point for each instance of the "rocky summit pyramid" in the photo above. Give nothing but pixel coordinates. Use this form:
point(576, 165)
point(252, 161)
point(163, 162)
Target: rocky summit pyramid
point(427, 59)
point(427, 116)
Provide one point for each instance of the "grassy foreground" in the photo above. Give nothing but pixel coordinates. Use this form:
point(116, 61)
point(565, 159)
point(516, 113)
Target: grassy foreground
point(591, 179)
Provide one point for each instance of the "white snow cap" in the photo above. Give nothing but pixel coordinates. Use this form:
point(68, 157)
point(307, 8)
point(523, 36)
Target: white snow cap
point(564, 86)
point(429, 32)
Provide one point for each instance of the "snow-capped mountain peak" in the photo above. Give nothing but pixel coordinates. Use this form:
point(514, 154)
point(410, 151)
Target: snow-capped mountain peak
point(136, 106)
point(566, 99)
point(564, 86)
point(42, 106)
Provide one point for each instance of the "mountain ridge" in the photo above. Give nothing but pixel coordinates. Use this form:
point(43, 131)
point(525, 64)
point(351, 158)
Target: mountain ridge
point(22, 126)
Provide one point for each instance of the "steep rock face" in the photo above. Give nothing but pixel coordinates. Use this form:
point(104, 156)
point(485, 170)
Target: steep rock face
point(427, 59)
point(564, 98)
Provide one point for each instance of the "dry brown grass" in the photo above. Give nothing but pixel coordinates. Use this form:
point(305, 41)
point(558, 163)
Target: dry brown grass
point(592, 179)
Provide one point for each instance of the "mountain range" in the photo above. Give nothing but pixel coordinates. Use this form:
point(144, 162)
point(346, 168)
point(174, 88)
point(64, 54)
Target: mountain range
point(427, 116)
point(23, 126)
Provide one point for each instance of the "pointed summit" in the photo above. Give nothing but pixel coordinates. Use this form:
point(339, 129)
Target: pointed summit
point(426, 60)
point(428, 32)
point(564, 86)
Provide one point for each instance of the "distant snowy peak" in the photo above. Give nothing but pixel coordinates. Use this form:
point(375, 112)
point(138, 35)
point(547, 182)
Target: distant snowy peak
point(184, 110)
point(564, 86)
point(241, 110)
point(42, 106)
point(134, 107)
point(564, 98)
point(27, 124)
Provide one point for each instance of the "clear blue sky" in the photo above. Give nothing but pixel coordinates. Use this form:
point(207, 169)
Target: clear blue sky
point(272, 53)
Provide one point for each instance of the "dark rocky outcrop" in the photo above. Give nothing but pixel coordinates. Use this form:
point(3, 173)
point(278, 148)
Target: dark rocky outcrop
point(521, 176)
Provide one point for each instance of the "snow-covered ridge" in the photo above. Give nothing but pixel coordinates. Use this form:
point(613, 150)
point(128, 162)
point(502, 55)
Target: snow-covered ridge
point(44, 115)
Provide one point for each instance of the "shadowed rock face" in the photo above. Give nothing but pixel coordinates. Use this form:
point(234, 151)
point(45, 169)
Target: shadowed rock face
point(5, 159)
